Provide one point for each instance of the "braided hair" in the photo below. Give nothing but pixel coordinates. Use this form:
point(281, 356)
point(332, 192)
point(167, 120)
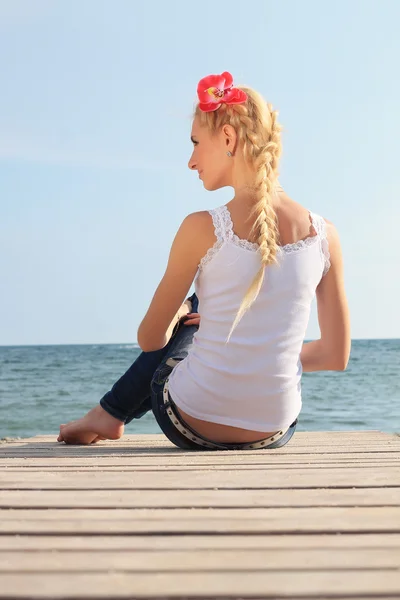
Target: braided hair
point(259, 135)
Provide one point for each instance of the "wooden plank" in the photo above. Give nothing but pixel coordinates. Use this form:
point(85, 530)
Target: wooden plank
point(197, 560)
point(203, 459)
point(62, 452)
point(200, 459)
point(382, 465)
point(160, 438)
point(306, 514)
point(205, 479)
point(165, 543)
point(299, 439)
point(275, 584)
point(97, 453)
point(198, 498)
point(318, 517)
point(131, 441)
point(103, 454)
point(211, 521)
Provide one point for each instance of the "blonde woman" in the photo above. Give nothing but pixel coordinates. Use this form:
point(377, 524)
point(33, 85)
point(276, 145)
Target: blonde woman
point(223, 369)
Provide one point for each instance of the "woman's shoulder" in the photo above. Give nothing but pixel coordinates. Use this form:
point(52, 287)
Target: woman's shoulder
point(297, 221)
point(200, 230)
point(200, 222)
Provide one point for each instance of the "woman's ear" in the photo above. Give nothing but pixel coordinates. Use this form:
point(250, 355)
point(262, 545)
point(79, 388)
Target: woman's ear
point(230, 137)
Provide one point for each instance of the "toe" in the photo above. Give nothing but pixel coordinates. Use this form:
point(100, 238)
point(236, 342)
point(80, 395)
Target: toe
point(99, 438)
point(60, 435)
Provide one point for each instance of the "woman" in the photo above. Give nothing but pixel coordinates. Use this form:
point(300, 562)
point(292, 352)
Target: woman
point(232, 377)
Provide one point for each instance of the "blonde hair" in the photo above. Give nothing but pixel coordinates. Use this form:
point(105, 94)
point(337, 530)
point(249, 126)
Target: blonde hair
point(258, 131)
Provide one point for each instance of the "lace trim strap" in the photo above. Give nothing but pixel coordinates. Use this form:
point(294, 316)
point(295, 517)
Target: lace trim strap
point(219, 234)
point(224, 231)
point(319, 224)
point(216, 220)
point(316, 220)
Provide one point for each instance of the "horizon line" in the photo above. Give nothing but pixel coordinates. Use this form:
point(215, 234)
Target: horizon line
point(136, 344)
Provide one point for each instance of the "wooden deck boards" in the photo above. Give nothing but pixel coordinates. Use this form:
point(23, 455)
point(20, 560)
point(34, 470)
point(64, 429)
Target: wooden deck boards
point(138, 518)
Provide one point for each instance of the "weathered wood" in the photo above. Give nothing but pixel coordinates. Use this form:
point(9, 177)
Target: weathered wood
point(181, 478)
point(146, 543)
point(200, 498)
point(394, 463)
point(261, 515)
point(317, 518)
point(182, 521)
point(276, 584)
point(139, 438)
point(114, 452)
point(232, 559)
point(230, 458)
point(302, 438)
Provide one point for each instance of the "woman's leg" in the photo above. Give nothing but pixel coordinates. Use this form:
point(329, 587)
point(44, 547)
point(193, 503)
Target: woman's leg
point(129, 398)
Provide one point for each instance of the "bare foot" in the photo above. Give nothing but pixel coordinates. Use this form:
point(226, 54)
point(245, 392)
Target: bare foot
point(96, 425)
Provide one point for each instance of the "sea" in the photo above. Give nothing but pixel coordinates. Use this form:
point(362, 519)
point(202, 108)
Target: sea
point(43, 386)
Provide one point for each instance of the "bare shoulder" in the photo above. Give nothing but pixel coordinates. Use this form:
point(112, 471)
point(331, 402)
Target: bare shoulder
point(201, 218)
point(198, 230)
point(329, 225)
point(335, 248)
point(332, 283)
point(198, 226)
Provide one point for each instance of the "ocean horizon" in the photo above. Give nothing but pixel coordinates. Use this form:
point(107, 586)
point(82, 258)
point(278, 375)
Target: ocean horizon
point(42, 386)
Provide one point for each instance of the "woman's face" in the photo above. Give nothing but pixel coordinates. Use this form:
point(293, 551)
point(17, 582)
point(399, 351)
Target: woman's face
point(210, 158)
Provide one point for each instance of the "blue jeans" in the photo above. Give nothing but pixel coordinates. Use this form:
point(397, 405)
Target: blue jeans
point(140, 389)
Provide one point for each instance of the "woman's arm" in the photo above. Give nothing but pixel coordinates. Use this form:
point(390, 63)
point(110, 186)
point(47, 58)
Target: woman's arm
point(184, 310)
point(166, 307)
point(314, 358)
point(332, 351)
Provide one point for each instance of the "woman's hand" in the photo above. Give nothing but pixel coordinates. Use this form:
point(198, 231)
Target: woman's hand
point(187, 317)
point(192, 319)
point(184, 310)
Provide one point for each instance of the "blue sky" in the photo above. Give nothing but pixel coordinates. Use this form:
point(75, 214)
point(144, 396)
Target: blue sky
point(95, 123)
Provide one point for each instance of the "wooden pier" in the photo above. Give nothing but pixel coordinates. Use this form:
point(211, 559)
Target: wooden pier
point(139, 518)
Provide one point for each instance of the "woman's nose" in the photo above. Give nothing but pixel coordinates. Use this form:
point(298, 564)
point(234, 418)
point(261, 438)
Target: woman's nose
point(192, 163)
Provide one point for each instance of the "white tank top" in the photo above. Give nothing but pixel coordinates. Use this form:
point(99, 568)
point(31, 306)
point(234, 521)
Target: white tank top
point(253, 381)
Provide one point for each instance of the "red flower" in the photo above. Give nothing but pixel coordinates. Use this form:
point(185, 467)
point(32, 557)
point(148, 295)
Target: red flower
point(215, 90)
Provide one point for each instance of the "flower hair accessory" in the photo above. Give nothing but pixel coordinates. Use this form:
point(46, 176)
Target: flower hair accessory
point(215, 90)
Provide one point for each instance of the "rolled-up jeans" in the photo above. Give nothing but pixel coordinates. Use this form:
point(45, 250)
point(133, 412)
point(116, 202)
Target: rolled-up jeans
point(140, 389)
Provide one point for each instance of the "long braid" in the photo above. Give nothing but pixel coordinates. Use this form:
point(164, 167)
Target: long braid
point(259, 132)
point(265, 159)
